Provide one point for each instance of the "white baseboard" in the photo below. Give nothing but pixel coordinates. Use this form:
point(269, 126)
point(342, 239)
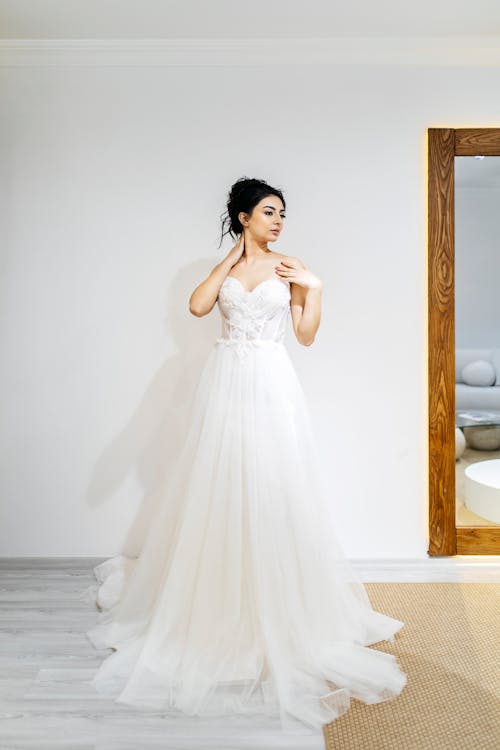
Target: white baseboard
point(466, 568)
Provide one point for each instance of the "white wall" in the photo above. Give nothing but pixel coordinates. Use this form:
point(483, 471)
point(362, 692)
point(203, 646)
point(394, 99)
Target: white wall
point(114, 179)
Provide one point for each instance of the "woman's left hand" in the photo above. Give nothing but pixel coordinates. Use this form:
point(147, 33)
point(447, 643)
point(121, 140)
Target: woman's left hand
point(293, 270)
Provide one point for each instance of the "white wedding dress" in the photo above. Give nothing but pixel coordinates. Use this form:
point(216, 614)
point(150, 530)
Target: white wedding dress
point(242, 600)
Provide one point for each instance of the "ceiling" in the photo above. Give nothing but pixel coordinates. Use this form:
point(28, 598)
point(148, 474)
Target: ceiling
point(230, 19)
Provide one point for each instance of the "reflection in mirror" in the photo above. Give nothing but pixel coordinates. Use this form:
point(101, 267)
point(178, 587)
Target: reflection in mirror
point(477, 340)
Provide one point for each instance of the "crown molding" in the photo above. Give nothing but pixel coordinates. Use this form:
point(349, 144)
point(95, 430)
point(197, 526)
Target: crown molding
point(431, 51)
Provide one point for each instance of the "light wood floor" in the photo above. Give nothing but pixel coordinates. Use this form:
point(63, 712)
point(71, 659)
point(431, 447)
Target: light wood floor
point(46, 662)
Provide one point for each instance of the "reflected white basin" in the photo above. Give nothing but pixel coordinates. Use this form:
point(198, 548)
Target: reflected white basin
point(482, 489)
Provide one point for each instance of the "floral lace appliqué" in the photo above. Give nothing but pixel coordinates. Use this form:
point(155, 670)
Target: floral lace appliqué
point(245, 320)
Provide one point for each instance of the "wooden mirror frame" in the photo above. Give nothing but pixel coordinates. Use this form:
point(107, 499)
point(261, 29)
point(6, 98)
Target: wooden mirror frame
point(445, 537)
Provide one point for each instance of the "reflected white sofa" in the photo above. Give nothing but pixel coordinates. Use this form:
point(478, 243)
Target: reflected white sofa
point(469, 396)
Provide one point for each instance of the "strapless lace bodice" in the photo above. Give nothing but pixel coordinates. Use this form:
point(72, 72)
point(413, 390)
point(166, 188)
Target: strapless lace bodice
point(255, 318)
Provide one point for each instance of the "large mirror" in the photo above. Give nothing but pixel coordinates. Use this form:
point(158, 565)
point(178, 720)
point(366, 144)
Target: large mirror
point(477, 340)
point(464, 340)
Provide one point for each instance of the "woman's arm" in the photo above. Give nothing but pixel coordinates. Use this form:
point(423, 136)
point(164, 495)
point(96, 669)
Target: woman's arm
point(205, 295)
point(306, 297)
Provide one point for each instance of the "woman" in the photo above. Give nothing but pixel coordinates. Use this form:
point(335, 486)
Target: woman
point(242, 600)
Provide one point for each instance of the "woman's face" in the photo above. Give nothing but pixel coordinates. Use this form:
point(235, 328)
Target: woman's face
point(266, 221)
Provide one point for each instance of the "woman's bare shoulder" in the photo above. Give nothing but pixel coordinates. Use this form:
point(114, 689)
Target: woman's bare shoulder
point(285, 256)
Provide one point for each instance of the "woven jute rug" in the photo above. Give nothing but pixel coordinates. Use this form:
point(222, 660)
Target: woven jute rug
point(449, 648)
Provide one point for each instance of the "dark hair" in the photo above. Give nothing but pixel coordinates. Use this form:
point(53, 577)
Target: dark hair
point(244, 195)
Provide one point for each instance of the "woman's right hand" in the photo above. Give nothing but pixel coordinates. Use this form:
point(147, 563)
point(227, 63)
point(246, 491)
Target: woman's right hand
point(237, 251)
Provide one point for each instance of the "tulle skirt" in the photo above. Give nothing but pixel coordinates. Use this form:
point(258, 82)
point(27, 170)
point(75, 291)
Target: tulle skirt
point(242, 600)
